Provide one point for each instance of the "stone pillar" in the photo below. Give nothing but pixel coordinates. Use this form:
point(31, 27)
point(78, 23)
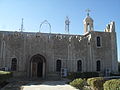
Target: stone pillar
point(43, 72)
point(114, 52)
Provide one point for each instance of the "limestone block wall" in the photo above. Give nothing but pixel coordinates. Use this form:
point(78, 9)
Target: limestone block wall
point(67, 48)
point(102, 53)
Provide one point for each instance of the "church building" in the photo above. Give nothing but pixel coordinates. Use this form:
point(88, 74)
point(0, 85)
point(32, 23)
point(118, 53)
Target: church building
point(29, 54)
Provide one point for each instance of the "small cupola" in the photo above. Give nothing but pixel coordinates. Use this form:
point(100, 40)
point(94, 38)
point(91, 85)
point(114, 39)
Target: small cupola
point(88, 23)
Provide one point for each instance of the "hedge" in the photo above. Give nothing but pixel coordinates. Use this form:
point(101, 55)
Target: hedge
point(112, 74)
point(4, 75)
point(113, 84)
point(78, 83)
point(74, 75)
point(96, 83)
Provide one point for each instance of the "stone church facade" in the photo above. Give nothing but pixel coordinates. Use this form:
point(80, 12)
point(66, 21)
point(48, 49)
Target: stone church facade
point(43, 54)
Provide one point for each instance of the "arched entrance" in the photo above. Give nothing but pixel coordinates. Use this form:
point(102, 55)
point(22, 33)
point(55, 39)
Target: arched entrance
point(37, 66)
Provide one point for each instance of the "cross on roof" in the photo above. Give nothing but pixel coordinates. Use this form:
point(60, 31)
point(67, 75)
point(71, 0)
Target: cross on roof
point(88, 10)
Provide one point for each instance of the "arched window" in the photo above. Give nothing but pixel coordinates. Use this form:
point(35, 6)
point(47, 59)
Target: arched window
point(98, 65)
point(14, 64)
point(58, 65)
point(98, 41)
point(79, 65)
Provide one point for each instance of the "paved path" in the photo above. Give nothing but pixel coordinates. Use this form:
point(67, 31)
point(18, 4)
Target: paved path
point(49, 85)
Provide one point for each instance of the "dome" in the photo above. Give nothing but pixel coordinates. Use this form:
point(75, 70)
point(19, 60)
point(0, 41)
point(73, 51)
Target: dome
point(88, 19)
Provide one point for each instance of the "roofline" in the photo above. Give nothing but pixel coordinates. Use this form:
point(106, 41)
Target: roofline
point(41, 33)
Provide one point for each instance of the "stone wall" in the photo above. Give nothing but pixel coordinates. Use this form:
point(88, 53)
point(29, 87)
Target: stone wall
point(67, 48)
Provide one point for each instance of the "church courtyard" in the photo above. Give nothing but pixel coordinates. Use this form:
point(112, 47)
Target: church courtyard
point(38, 85)
point(49, 85)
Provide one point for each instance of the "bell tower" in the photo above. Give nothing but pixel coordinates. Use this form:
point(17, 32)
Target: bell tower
point(88, 23)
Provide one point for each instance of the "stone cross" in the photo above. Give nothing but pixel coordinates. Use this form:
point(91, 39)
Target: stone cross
point(88, 10)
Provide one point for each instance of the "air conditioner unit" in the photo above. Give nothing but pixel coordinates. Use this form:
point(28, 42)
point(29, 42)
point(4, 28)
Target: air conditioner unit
point(63, 72)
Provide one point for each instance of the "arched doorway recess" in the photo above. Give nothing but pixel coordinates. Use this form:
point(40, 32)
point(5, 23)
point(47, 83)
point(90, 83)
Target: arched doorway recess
point(38, 66)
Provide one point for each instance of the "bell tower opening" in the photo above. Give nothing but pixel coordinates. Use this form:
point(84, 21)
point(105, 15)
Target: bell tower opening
point(88, 26)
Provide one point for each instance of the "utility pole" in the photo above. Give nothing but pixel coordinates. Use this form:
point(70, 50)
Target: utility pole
point(21, 29)
point(67, 23)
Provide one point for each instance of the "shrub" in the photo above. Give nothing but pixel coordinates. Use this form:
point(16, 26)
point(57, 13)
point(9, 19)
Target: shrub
point(74, 75)
point(71, 75)
point(113, 74)
point(89, 80)
point(113, 84)
point(4, 76)
point(90, 74)
point(78, 83)
point(96, 83)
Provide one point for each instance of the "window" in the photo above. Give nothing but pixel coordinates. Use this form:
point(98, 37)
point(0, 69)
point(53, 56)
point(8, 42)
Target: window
point(79, 65)
point(58, 65)
point(98, 65)
point(14, 64)
point(98, 42)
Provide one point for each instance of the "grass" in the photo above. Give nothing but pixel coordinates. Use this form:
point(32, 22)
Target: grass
point(4, 72)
